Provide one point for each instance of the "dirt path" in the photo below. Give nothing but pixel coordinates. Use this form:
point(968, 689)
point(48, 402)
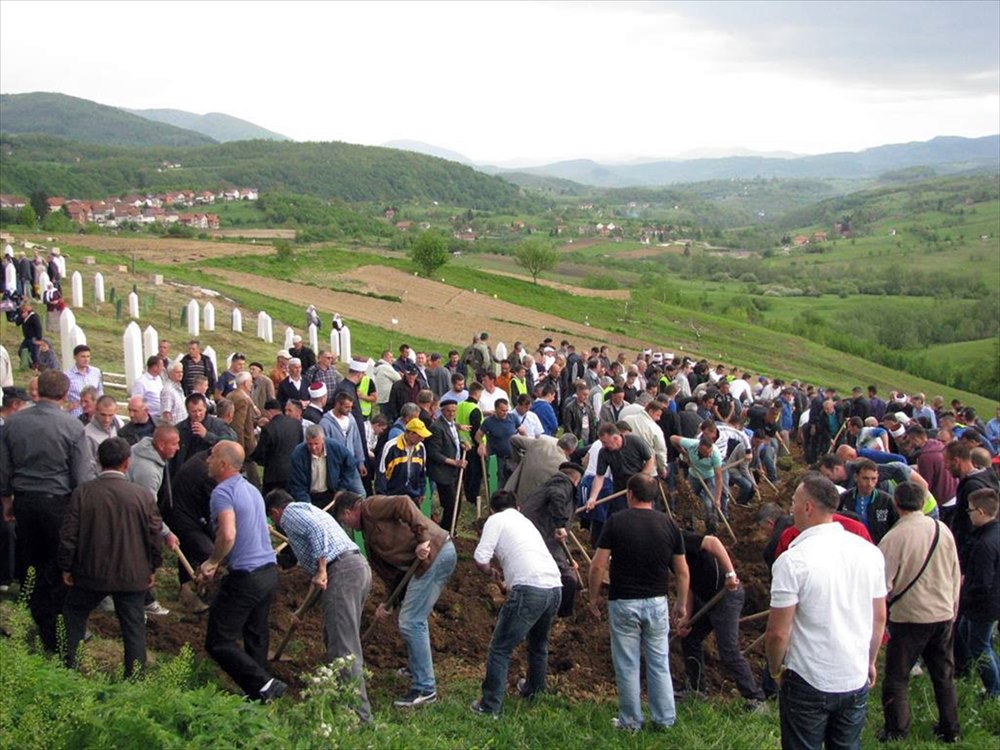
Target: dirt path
point(162, 249)
point(603, 293)
point(430, 309)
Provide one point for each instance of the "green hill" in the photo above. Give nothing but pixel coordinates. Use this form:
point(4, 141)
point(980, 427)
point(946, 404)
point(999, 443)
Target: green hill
point(217, 126)
point(87, 121)
point(341, 171)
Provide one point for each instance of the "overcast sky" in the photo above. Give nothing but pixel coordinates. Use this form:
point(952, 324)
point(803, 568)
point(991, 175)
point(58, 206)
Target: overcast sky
point(525, 82)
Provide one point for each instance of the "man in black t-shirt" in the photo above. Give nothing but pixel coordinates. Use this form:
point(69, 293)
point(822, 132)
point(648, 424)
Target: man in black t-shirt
point(626, 455)
point(642, 545)
point(712, 569)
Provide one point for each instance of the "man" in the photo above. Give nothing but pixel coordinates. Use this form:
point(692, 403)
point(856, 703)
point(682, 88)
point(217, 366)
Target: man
point(457, 393)
point(578, 415)
point(531, 578)
point(149, 385)
point(243, 598)
point(542, 407)
point(397, 536)
point(324, 371)
point(712, 571)
point(979, 603)
point(263, 389)
point(537, 460)
point(402, 469)
point(140, 425)
point(625, 455)
point(31, 331)
point(109, 545)
point(245, 414)
point(336, 567)
point(189, 517)
point(645, 424)
point(825, 626)
point(873, 507)
point(226, 383)
point(493, 438)
point(958, 455)
point(340, 425)
point(705, 465)
point(277, 440)
point(43, 457)
point(525, 419)
point(403, 391)
point(294, 386)
point(320, 467)
point(386, 375)
point(361, 389)
point(104, 425)
point(80, 375)
point(195, 366)
point(643, 546)
point(491, 393)
point(922, 411)
point(550, 508)
point(923, 579)
point(163, 354)
point(172, 406)
point(199, 431)
point(280, 370)
point(305, 355)
point(445, 460)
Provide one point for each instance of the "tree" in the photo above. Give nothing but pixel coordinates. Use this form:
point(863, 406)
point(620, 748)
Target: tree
point(283, 250)
point(535, 256)
point(39, 201)
point(27, 216)
point(430, 251)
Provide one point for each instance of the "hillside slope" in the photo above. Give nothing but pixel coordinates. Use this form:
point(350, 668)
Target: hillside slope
point(83, 120)
point(217, 126)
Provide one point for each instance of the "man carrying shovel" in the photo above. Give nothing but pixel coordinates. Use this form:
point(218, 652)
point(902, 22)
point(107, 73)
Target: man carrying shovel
point(395, 533)
point(338, 571)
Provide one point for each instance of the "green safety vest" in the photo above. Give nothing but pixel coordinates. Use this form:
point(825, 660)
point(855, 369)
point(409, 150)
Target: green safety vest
point(366, 406)
point(463, 418)
point(517, 387)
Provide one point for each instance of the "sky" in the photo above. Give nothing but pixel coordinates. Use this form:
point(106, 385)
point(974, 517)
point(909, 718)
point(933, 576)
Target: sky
point(517, 83)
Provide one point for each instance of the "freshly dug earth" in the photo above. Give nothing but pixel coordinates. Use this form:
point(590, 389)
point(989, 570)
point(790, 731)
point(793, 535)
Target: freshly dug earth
point(463, 618)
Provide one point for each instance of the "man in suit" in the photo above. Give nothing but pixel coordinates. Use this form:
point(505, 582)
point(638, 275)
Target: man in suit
point(245, 413)
point(538, 459)
point(445, 460)
point(320, 468)
point(277, 440)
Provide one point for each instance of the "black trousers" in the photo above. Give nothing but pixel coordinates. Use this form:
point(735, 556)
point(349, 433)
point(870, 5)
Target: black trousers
point(448, 495)
point(907, 641)
point(240, 609)
point(39, 518)
point(196, 545)
point(131, 617)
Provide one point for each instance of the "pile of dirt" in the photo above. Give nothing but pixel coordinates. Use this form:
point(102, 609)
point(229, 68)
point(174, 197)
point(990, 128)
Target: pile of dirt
point(463, 618)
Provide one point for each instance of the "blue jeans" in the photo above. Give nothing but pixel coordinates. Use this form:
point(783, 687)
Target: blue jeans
point(705, 491)
point(527, 614)
point(421, 594)
point(974, 644)
point(764, 459)
point(642, 627)
point(812, 719)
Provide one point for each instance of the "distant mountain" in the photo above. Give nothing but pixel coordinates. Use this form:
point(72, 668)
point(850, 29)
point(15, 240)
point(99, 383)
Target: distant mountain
point(430, 150)
point(946, 154)
point(722, 153)
point(217, 126)
point(89, 122)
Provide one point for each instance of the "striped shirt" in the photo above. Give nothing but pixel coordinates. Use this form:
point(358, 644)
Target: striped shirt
point(313, 534)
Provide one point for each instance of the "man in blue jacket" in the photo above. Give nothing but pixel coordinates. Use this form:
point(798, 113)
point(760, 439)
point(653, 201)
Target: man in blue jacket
point(320, 468)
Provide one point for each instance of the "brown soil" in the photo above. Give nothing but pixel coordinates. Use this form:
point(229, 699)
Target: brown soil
point(463, 618)
point(431, 309)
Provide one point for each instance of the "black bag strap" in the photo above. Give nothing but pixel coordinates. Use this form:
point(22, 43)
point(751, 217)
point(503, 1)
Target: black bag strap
point(930, 552)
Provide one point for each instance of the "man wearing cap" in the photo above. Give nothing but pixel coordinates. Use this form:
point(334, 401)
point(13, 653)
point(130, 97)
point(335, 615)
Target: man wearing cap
point(280, 370)
point(315, 403)
point(361, 390)
point(277, 440)
point(403, 391)
point(303, 353)
point(320, 467)
point(402, 469)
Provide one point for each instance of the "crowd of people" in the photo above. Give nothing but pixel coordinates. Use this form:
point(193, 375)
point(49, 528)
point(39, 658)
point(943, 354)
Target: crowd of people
point(897, 522)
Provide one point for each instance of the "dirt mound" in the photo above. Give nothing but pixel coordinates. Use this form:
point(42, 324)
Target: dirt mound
point(463, 618)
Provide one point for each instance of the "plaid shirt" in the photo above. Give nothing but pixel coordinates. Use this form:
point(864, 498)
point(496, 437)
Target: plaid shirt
point(313, 534)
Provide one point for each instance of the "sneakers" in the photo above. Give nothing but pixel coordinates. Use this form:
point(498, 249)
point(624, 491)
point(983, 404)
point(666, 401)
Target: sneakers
point(477, 708)
point(106, 604)
point(416, 698)
point(522, 687)
point(404, 672)
point(758, 707)
point(916, 670)
point(155, 608)
point(272, 690)
point(619, 724)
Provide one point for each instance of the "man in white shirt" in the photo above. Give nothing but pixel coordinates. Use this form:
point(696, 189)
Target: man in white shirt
point(149, 385)
point(825, 626)
point(534, 587)
point(528, 423)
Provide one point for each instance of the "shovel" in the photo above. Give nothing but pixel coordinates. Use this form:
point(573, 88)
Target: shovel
point(393, 596)
point(311, 597)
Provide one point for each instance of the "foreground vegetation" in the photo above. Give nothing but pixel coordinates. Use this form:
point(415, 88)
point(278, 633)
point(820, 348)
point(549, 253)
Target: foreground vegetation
point(182, 704)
